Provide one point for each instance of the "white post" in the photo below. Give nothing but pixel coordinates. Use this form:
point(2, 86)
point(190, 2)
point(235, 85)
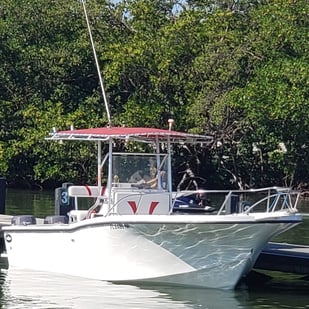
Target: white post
point(99, 168)
point(158, 163)
point(110, 169)
point(169, 171)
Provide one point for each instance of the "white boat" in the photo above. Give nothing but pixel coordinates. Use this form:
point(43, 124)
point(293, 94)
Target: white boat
point(134, 231)
point(138, 229)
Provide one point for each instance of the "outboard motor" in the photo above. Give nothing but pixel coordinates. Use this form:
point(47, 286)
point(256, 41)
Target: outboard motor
point(23, 220)
point(56, 220)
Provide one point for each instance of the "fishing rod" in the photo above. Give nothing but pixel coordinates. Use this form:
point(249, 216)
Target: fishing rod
point(97, 64)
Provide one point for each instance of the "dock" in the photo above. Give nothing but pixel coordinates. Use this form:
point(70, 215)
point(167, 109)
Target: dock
point(285, 258)
point(281, 257)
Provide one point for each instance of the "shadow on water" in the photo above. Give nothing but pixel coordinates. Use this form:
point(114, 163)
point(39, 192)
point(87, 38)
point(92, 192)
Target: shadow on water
point(261, 289)
point(272, 289)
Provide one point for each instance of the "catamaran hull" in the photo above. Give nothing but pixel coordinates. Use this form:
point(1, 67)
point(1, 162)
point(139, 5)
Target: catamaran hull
point(213, 255)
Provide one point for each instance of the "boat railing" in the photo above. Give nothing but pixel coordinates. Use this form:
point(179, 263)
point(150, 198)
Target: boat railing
point(124, 201)
point(268, 199)
point(279, 201)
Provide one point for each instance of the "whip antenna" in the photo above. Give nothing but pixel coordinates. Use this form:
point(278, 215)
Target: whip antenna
point(97, 65)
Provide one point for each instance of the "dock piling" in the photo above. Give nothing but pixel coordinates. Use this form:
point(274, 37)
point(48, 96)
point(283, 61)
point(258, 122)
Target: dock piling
point(2, 194)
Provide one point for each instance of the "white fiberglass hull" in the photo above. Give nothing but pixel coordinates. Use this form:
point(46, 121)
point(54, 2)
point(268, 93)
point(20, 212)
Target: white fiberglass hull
point(166, 249)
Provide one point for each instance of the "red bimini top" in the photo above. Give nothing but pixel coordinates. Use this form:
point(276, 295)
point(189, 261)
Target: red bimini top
point(125, 133)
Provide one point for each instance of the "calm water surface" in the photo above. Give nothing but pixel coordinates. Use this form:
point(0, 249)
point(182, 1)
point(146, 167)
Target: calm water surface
point(30, 289)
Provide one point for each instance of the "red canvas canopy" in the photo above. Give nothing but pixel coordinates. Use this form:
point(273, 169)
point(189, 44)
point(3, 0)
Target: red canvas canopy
point(124, 133)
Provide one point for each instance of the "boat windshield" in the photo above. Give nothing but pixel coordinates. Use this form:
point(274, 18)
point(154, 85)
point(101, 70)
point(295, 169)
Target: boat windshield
point(149, 170)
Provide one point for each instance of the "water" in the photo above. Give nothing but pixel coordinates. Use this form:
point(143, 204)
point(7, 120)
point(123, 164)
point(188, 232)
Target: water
point(30, 289)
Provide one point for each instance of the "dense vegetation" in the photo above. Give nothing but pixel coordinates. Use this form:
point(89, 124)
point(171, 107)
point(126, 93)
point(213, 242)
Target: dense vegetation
point(238, 70)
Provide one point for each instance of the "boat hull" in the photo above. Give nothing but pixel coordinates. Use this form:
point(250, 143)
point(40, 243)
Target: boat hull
point(205, 254)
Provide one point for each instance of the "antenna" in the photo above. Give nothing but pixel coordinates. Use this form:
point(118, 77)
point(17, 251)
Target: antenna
point(97, 65)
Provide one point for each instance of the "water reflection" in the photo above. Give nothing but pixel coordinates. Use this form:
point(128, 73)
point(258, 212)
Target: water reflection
point(25, 202)
point(280, 299)
point(32, 289)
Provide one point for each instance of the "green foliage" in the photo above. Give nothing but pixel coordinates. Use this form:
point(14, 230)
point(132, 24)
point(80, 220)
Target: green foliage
point(235, 69)
point(273, 103)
